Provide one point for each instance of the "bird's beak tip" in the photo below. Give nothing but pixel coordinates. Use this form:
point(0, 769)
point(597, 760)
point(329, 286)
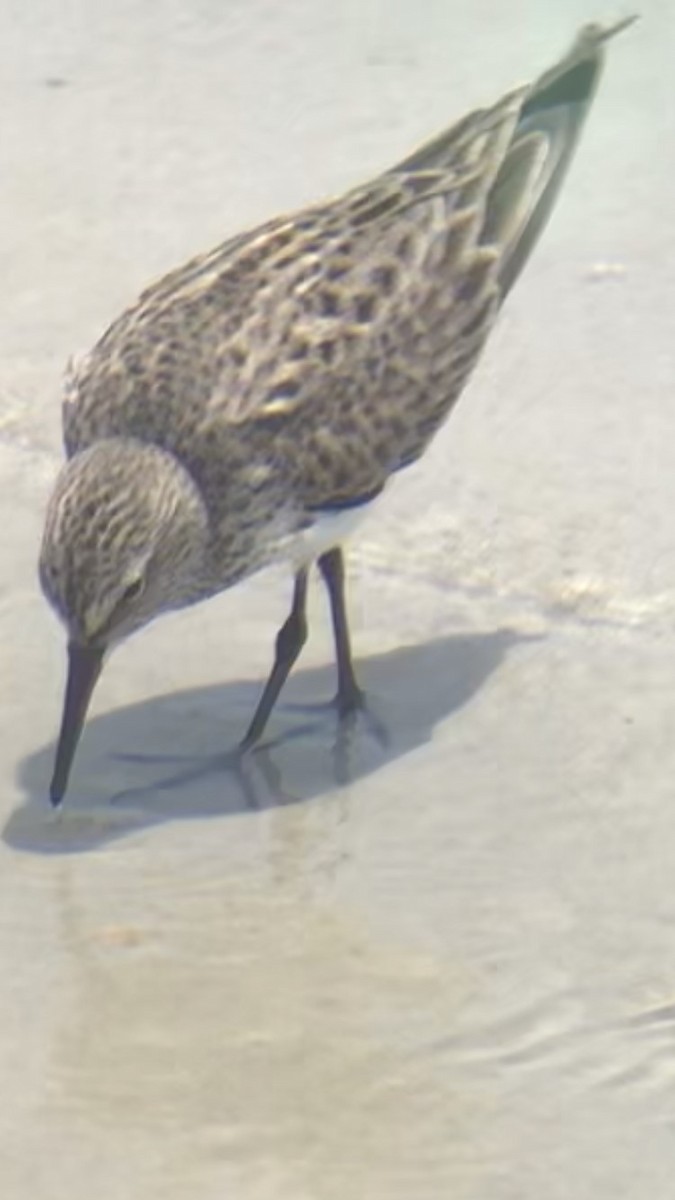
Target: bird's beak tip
point(55, 797)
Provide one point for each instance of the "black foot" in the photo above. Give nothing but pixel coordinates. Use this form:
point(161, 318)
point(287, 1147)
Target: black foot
point(349, 701)
point(359, 713)
point(352, 710)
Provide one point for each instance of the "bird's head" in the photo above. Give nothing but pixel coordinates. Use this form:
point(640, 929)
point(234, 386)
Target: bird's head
point(125, 539)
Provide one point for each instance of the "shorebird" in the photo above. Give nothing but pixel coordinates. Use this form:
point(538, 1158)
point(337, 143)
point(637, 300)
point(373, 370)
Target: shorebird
point(251, 404)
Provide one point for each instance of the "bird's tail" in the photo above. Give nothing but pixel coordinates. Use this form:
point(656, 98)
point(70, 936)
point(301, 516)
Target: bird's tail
point(544, 139)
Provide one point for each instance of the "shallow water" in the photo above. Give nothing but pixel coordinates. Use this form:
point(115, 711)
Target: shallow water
point(435, 965)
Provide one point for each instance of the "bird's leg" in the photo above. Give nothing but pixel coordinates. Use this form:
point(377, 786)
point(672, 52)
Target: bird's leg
point(350, 700)
point(290, 640)
point(349, 695)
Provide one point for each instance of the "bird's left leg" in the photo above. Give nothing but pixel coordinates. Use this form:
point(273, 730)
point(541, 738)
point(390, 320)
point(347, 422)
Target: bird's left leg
point(349, 697)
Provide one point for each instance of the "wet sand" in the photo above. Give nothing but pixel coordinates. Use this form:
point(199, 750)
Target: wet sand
point(452, 975)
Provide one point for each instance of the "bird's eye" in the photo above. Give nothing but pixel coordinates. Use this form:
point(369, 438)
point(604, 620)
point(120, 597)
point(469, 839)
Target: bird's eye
point(132, 590)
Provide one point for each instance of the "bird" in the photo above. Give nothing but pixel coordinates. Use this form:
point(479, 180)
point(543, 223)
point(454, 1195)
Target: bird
point(251, 405)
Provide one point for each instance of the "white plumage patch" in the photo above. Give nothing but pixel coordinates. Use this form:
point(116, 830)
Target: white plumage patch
point(329, 529)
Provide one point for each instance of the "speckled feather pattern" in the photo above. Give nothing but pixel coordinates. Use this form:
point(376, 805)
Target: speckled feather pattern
point(329, 341)
point(294, 368)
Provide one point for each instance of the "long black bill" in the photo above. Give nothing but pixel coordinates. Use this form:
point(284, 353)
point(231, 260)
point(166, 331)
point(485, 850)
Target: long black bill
point(84, 668)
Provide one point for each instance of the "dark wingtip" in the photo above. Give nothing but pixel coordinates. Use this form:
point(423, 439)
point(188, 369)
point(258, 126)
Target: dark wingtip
point(592, 35)
point(574, 77)
point(556, 106)
point(618, 27)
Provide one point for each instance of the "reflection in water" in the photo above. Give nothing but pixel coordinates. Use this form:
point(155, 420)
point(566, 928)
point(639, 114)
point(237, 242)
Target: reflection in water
point(411, 689)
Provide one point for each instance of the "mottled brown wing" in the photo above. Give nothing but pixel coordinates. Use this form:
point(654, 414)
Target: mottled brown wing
point(280, 318)
point(353, 357)
point(346, 332)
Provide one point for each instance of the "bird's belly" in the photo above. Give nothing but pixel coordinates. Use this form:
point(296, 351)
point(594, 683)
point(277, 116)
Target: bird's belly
point(329, 528)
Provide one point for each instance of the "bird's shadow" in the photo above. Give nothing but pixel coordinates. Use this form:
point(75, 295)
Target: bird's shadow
point(166, 759)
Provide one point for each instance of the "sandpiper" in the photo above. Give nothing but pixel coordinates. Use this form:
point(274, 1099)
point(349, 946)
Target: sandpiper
point(250, 405)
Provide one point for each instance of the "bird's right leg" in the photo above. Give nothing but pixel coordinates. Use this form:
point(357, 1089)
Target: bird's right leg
point(290, 640)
